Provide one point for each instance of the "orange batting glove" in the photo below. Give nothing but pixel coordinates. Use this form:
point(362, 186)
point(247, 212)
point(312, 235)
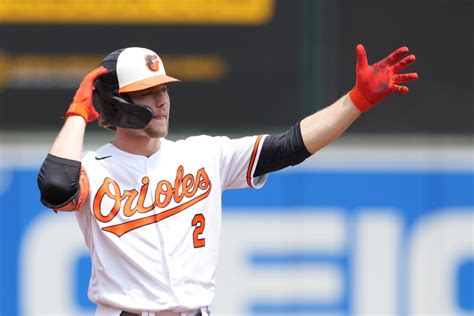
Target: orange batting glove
point(82, 105)
point(374, 82)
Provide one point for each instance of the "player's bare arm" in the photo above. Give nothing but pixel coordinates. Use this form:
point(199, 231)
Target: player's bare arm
point(373, 83)
point(69, 142)
point(323, 127)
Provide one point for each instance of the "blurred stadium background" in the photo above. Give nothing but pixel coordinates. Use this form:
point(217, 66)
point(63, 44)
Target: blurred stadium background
point(379, 223)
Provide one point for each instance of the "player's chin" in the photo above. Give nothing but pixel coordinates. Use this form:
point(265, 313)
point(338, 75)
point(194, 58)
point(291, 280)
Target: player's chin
point(156, 130)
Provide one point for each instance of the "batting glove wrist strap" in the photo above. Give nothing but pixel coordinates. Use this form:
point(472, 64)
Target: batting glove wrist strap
point(359, 100)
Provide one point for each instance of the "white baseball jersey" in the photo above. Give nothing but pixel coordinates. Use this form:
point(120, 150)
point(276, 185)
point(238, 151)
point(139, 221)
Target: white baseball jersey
point(152, 225)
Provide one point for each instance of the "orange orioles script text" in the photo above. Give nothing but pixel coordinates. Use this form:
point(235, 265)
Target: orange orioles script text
point(184, 186)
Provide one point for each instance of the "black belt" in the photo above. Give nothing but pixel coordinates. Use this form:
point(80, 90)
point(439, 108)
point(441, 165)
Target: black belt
point(124, 313)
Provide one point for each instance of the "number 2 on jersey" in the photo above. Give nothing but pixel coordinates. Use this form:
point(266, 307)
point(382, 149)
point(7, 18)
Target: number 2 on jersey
point(200, 222)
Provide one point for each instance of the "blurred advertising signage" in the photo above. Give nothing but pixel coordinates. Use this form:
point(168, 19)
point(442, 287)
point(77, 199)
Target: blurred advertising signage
point(47, 71)
point(239, 12)
point(338, 241)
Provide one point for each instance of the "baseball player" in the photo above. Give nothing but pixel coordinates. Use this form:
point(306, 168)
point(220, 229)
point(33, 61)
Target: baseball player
point(150, 208)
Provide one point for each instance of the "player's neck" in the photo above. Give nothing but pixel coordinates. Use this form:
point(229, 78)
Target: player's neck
point(137, 145)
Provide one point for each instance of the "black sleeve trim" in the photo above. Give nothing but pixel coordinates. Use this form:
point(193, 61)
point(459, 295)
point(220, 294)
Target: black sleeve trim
point(282, 150)
point(58, 181)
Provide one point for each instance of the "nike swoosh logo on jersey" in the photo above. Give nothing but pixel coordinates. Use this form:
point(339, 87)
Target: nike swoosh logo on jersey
point(100, 158)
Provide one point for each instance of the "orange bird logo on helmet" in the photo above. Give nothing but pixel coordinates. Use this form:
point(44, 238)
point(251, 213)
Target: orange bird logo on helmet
point(152, 62)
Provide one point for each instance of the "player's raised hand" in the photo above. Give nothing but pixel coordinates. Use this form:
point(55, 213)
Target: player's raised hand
point(376, 81)
point(81, 104)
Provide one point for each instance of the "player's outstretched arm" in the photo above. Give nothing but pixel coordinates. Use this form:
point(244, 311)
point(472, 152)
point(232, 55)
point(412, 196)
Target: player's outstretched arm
point(373, 83)
point(69, 142)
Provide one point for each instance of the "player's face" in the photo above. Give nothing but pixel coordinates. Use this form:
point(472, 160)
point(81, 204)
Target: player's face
point(158, 99)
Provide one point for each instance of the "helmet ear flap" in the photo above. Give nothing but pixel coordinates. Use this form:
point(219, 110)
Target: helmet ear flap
point(130, 115)
point(118, 111)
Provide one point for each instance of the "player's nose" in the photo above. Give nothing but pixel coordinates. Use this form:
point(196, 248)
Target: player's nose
point(161, 100)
